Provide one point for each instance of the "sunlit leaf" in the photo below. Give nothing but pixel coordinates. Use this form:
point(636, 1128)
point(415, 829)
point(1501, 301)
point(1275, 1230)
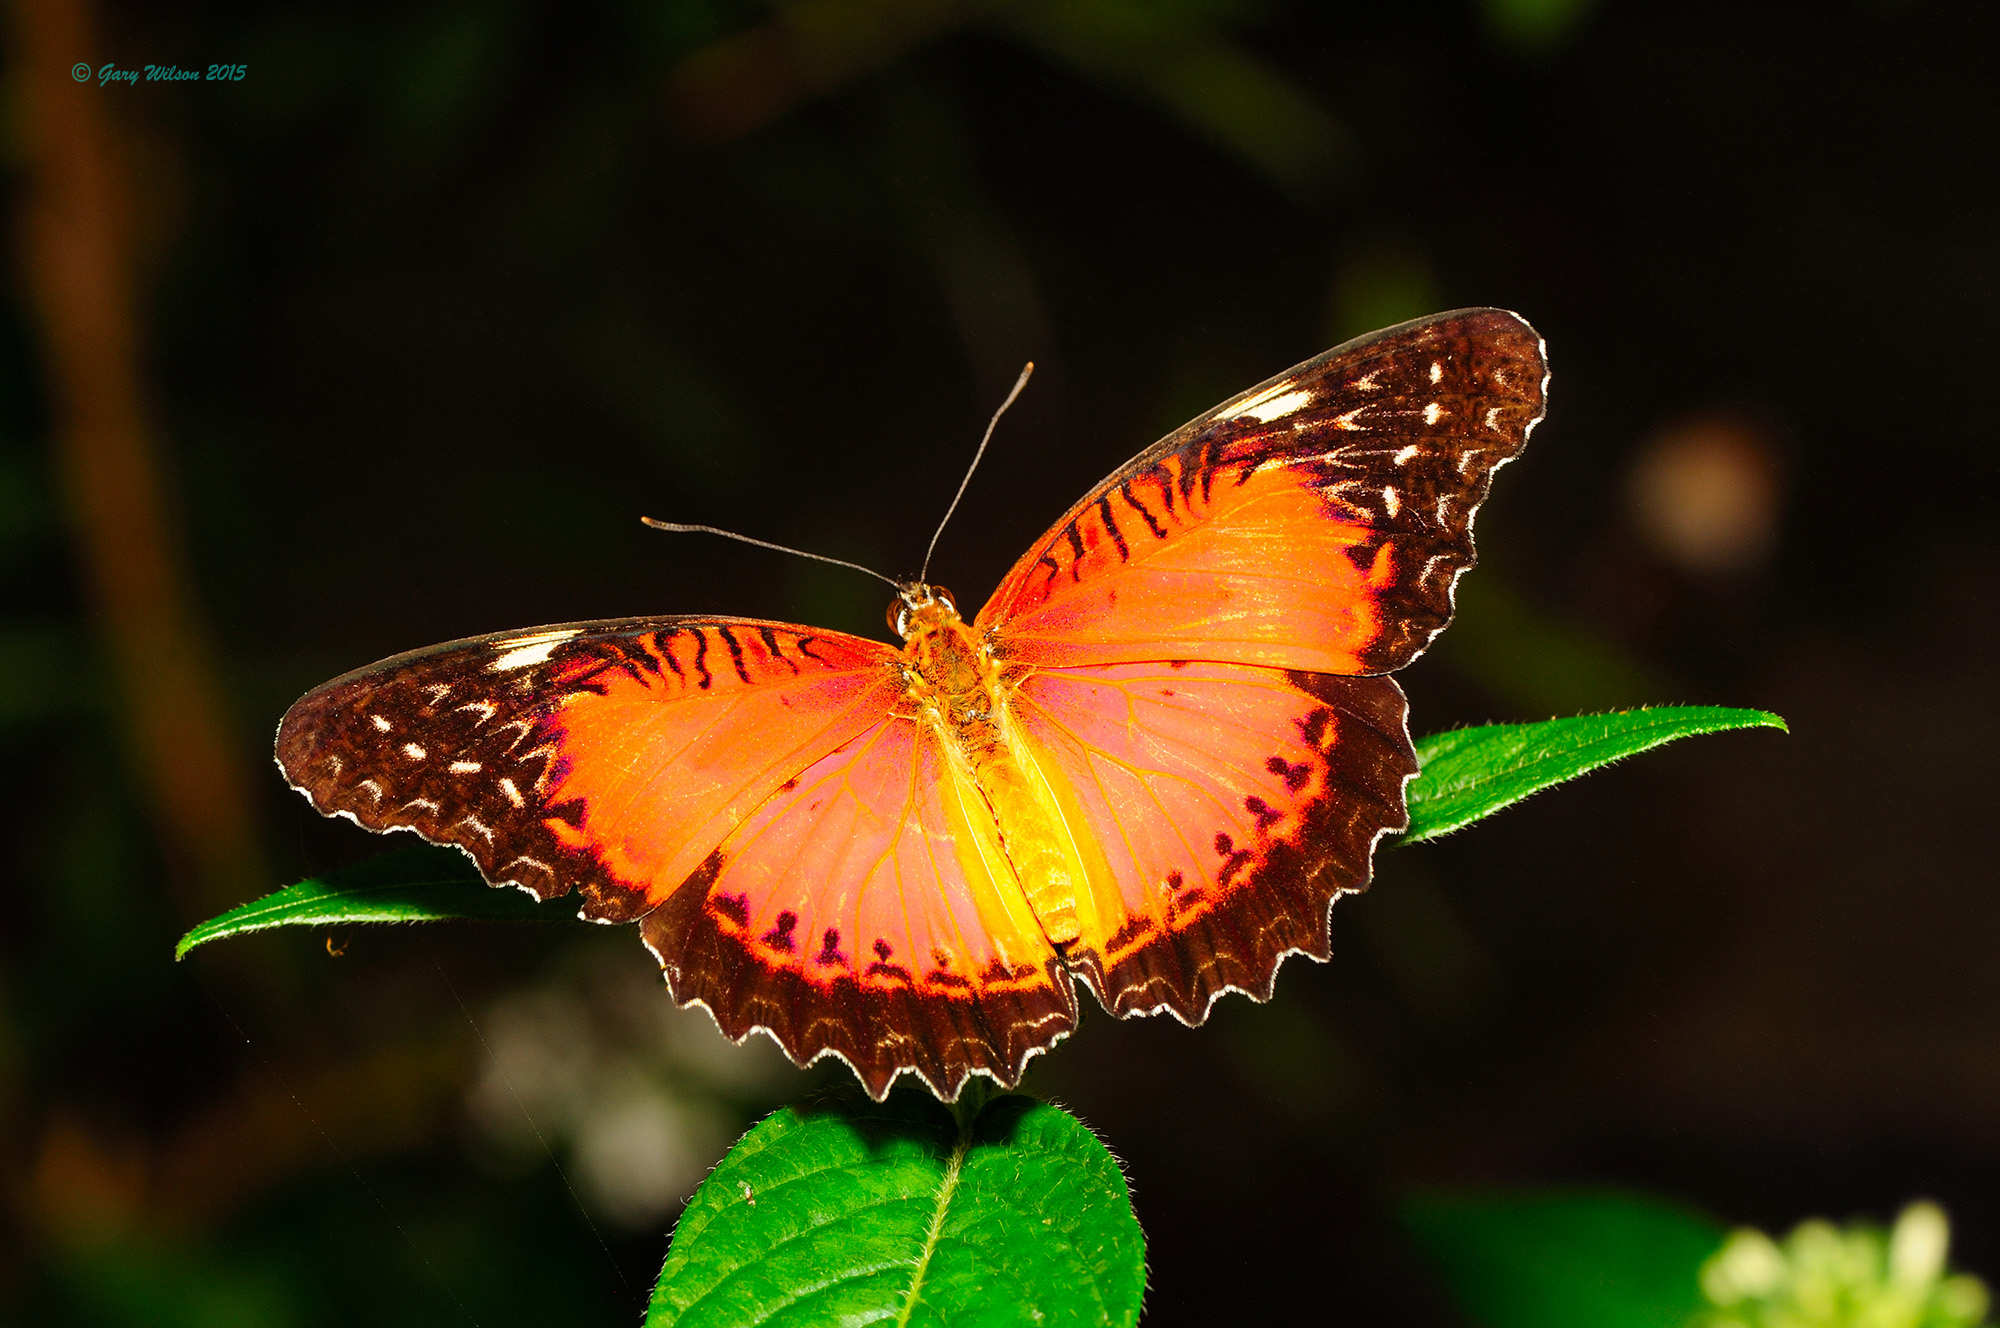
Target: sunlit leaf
point(1565, 1260)
point(1469, 774)
point(408, 885)
point(847, 1212)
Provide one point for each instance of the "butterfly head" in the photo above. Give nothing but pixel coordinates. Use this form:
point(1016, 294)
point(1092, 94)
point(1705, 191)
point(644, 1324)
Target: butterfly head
point(918, 607)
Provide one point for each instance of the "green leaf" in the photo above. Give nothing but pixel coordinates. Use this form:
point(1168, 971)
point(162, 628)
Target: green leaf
point(1565, 1260)
point(408, 885)
point(843, 1211)
point(1468, 774)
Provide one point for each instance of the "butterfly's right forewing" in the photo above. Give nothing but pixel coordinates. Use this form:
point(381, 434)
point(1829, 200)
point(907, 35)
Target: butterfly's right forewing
point(1318, 521)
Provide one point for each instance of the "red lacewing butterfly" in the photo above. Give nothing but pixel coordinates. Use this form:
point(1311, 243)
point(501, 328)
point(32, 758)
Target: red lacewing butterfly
point(1150, 764)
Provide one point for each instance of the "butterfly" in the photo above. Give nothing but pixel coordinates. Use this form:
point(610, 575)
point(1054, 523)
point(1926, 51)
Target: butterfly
point(1149, 764)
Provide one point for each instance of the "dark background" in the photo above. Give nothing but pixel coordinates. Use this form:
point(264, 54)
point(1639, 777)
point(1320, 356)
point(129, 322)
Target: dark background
point(427, 309)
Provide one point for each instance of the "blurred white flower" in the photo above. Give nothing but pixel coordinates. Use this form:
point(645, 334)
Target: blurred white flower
point(640, 1151)
point(634, 1096)
point(1823, 1277)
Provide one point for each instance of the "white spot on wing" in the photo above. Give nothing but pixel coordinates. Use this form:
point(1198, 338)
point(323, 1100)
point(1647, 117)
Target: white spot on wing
point(1403, 457)
point(513, 794)
point(465, 767)
point(1254, 405)
point(1350, 419)
point(486, 710)
point(1433, 413)
point(1391, 500)
point(532, 649)
point(548, 754)
point(1493, 418)
point(1437, 372)
point(1278, 407)
point(414, 752)
point(379, 722)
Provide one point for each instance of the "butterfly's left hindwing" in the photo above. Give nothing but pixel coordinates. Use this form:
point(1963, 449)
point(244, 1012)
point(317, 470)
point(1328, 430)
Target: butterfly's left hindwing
point(867, 910)
point(802, 858)
point(1318, 521)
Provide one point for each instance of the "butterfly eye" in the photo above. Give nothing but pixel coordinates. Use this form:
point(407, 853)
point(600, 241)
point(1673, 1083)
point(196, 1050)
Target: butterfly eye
point(943, 596)
point(899, 613)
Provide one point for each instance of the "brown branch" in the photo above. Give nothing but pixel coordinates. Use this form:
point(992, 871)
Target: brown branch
point(73, 237)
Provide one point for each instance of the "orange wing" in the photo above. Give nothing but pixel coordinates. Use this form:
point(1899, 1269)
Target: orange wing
point(1318, 521)
point(868, 910)
point(1182, 646)
point(1223, 807)
point(607, 757)
point(803, 861)
point(809, 861)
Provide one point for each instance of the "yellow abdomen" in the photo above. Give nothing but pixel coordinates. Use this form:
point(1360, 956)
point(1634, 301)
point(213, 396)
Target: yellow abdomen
point(962, 694)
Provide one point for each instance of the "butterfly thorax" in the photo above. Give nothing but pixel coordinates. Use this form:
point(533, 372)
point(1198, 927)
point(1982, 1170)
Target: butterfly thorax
point(959, 689)
point(949, 672)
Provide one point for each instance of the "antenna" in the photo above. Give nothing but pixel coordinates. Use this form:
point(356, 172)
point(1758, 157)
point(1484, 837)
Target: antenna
point(1019, 383)
point(766, 544)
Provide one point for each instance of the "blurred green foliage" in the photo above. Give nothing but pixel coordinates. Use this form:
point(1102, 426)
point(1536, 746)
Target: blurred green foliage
point(1616, 1260)
point(1602, 1260)
point(1535, 27)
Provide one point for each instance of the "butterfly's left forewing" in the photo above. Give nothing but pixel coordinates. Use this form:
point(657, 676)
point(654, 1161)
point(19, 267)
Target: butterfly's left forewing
point(606, 758)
